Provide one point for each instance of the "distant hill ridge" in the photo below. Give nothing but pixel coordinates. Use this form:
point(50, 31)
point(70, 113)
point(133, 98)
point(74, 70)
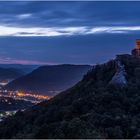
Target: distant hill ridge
point(10, 73)
point(25, 68)
point(50, 79)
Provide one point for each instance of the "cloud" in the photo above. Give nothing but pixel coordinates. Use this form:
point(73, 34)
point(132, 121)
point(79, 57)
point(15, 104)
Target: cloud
point(67, 31)
point(24, 16)
point(9, 60)
point(63, 14)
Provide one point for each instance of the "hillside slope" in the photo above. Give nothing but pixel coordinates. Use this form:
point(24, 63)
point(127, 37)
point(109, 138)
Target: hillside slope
point(50, 79)
point(93, 108)
point(10, 73)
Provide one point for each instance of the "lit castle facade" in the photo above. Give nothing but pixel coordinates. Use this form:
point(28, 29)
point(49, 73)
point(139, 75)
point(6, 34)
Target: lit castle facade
point(136, 51)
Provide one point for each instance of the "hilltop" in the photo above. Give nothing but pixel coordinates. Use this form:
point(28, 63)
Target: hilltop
point(93, 108)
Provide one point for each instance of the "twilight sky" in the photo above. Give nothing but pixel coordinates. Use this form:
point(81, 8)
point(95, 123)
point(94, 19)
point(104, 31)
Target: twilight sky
point(67, 32)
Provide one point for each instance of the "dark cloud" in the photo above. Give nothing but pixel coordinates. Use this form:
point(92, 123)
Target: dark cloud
point(90, 13)
point(78, 48)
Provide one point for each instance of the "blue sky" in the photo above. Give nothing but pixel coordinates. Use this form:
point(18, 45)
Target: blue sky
point(91, 32)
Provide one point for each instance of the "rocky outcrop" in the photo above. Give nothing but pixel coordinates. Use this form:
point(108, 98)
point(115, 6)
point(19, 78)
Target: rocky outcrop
point(119, 76)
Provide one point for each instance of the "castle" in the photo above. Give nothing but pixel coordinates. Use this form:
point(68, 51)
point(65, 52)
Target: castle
point(136, 51)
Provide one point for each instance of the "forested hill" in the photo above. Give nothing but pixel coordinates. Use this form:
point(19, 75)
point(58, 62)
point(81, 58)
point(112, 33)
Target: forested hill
point(93, 108)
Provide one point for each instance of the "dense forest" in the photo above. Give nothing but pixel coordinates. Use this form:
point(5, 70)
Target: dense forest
point(93, 108)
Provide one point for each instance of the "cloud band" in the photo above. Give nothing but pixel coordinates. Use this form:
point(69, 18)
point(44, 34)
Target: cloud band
point(58, 31)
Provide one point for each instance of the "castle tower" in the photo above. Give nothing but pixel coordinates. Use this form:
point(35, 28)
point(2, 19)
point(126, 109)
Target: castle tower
point(136, 51)
point(138, 44)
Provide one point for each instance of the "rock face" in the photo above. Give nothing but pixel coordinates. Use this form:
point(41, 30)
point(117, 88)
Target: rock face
point(119, 77)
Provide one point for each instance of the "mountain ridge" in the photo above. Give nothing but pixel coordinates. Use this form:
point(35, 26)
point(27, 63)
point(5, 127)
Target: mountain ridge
point(10, 73)
point(46, 79)
point(92, 108)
